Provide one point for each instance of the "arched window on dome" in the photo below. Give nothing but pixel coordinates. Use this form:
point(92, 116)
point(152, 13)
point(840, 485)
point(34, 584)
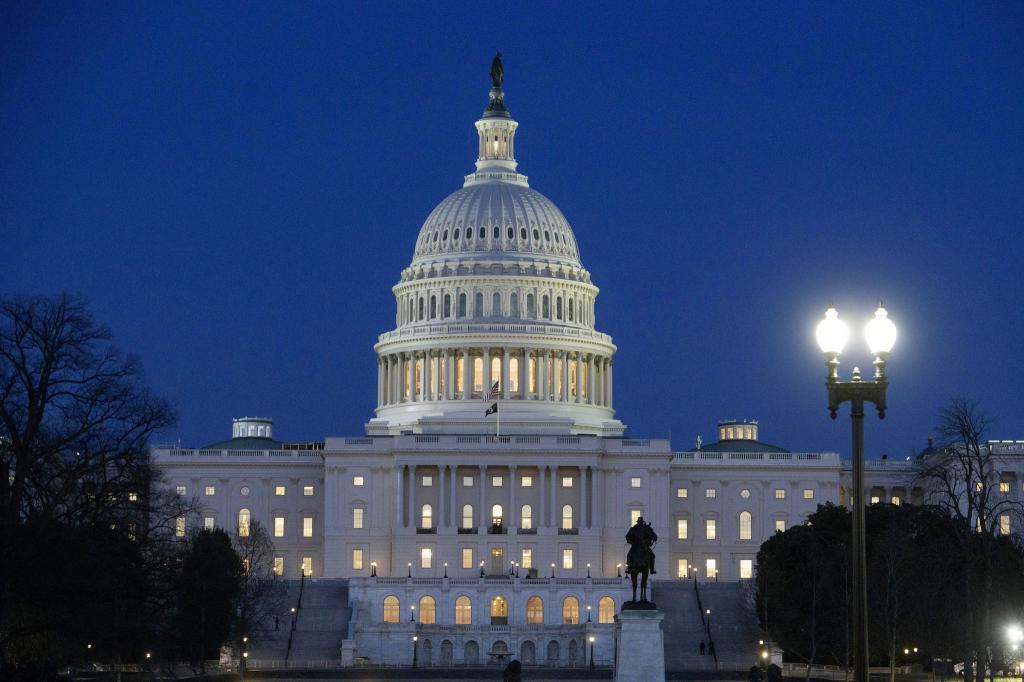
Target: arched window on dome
point(558, 307)
point(455, 235)
point(478, 375)
point(462, 305)
point(433, 307)
point(572, 306)
point(478, 305)
point(531, 307)
point(418, 371)
point(496, 371)
point(447, 305)
point(531, 372)
point(513, 304)
point(483, 233)
point(420, 309)
point(496, 304)
point(460, 372)
point(510, 233)
point(497, 233)
point(574, 381)
point(522, 233)
point(545, 307)
point(513, 375)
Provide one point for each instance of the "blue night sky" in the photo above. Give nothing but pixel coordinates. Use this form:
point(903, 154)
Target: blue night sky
point(236, 187)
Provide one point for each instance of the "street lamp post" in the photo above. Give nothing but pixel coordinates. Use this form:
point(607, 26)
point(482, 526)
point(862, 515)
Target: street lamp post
point(415, 639)
point(831, 335)
point(591, 652)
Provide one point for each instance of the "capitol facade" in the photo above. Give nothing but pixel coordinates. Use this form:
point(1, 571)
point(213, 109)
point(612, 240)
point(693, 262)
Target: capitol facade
point(502, 531)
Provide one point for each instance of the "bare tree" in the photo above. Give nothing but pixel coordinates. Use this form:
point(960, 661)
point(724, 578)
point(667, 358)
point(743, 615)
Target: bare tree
point(261, 590)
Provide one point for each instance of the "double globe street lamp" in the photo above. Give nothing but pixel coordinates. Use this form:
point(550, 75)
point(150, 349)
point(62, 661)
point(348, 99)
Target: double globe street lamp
point(832, 335)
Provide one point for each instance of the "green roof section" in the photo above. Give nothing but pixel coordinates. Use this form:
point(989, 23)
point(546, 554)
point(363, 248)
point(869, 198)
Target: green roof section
point(739, 445)
point(245, 443)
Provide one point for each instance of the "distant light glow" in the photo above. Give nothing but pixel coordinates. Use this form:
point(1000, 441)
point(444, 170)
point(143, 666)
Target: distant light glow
point(832, 333)
point(880, 332)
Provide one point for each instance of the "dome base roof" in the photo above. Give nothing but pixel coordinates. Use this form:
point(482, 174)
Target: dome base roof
point(517, 417)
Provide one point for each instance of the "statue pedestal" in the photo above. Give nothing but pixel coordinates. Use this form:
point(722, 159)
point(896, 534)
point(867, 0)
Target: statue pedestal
point(639, 646)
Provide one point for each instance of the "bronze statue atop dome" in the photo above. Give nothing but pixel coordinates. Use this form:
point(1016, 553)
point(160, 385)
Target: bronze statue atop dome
point(497, 71)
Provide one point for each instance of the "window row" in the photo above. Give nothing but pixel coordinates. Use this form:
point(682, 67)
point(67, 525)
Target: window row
point(439, 238)
point(685, 570)
point(712, 493)
point(463, 612)
point(745, 524)
point(244, 525)
point(567, 308)
point(244, 491)
point(526, 559)
point(468, 519)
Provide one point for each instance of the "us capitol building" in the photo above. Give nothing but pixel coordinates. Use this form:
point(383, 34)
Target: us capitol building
point(511, 539)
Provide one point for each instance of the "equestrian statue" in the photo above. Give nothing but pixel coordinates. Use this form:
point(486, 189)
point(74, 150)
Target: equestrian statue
point(640, 559)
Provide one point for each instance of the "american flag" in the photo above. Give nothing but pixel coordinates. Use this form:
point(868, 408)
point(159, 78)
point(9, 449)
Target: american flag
point(493, 393)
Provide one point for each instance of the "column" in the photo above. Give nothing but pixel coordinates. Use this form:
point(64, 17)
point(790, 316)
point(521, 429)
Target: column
point(401, 378)
point(440, 517)
point(453, 471)
point(411, 371)
point(398, 497)
point(599, 381)
point(604, 381)
point(412, 496)
point(542, 475)
point(513, 514)
point(488, 380)
point(449, 374)
point(467, 373)
point(564, 393)
point(481, 524)
point(542, 375)
point(610, 365)
point(555, 512)
point(590, 379)
point(579, 377)
point(583, 498)
point(504, 373)
point(428, 361)
point(524, 375)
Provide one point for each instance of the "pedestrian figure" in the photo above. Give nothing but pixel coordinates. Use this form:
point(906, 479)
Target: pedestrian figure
point(711, 648)
point(513, 671)
point(277, 623)
point(702, 647)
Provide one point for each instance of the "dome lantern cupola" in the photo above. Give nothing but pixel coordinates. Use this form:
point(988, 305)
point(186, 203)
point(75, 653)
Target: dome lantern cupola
point(497, 130)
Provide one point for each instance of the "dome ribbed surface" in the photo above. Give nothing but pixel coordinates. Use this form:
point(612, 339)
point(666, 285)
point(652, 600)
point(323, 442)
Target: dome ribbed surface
point(496, 218)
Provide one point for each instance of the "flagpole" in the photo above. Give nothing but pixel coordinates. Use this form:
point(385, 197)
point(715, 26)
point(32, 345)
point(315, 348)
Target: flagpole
point(497, 431)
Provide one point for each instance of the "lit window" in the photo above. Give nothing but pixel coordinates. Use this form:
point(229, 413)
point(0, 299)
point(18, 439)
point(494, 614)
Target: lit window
point(634, 482)
point(357, 481)
point(496, 481)
point(209, 523)
point(808, 494)
point(606, 610)
point(133, 497)
point(745, 523)
point(428, 481)
point(978, 486)
point(1004, 486)
point(243, 523)
point(710, 493)
point(391, 609)
point(426, 516)
point(278, 526)
point(467, 481)
point(428, 610)
point(875, 499)
point(711, 567)
point(210, 490)
point(527, 558)
point(307, 526)
point(745, 494)
point(467, 516)
point(571, 611)
point(710, 526)
point(307, 490)
point(780, 493)
point(567, 559)
point(1004, 524)
point(682, 568)
point(682, 529)
point(746, 569)
point(181, 490)
point(357, 517)
point(307, 566)
point(682, 492)
point(896, 500)
point(467, 557)
point(357, 559)
point(279, 565)
point(780, 525)
point(566, 481)
point(526, 517)
point(534, 611)
point(567, 516)
point(179, 526)
point(527, 481)
point(426, 557)
point(634, 516)
point(279, 490)
point(463, 611)
point(497, 513)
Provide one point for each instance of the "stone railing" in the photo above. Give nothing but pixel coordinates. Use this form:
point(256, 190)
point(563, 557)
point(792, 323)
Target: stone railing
point(304, 455)
point(768, 458)
point(427, 331)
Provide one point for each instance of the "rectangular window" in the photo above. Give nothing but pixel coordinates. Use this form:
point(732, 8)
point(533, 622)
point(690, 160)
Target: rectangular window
point(634, 514)
point(710, 493)
point(496, 481)
point(307, 566)
point(358, 481)
point(711, 568)
point(682, 492)
point(780, 493)
point(875, 499)
point(467, 481)
point(307, 526)
point(181, 490)
point(428, 481)
point(179, 526)
point(357, 559)
point(210, 490)
point(745, 525)
point(467, 557)
point(279, 490)
point(634, 482)
point(710, 526)
point(307, 490)
point(780, 525)
point(1004, 486)
point(682, 568)
point(279, 565)
point(209, 523)
point(567, 559)
point(566, 481)
point(357, 518)
point(278, 526)
point(1004, 524)
point(527, 481)
point(133, 497)
point(808, 494)
point(746, 569)
point(527, 560)
point(426, 557)
point(896, 501)
point(682, 529)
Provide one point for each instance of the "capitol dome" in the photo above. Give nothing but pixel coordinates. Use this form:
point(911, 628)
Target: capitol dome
point(495, 310)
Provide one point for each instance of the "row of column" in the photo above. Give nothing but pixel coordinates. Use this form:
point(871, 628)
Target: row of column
point(525, 374)
point(449, 513)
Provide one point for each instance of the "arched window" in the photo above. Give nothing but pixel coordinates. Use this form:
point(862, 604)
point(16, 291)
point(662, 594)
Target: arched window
point(496, 304)
point(391, 609)
point(526, 517)
point(567, 517)
point(478, 305)
point(496, 515)
point(497, 233)
point(513, 304)
point(745, 523)
point(558, 307)
point(420, 309)
point(462, 305)
point(426, 516)
point(495, 371)
point(531, 307)
point(460, 372)
point(483, 233)
point(571, 611)
point(447, 305)
point(545, 308)
point(573, 380)
point(478, 375)
point(571, 307)
point(463, 611)
point(243, 523)
point(418, 371)
point(433, 307)
point(606, 610)
point(513, 375)
point(467, 515)
point(534, 611)
point(428, 610)
point(499, 611)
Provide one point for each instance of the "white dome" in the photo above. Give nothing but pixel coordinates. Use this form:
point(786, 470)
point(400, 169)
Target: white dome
point(496, 219)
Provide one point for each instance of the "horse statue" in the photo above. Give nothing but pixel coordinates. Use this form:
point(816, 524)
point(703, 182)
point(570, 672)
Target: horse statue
point(640, 558)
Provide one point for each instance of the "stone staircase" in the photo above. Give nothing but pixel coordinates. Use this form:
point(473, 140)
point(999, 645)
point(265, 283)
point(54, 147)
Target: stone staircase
point(321, 623)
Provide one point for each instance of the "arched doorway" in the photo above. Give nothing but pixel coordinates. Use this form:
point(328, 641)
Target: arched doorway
point(472, 656)
point(573, 652)
point(426, 652)
point(499, 611)
point(527, 653)
point(499, 653)
point(553, 652)
point(446, 652)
